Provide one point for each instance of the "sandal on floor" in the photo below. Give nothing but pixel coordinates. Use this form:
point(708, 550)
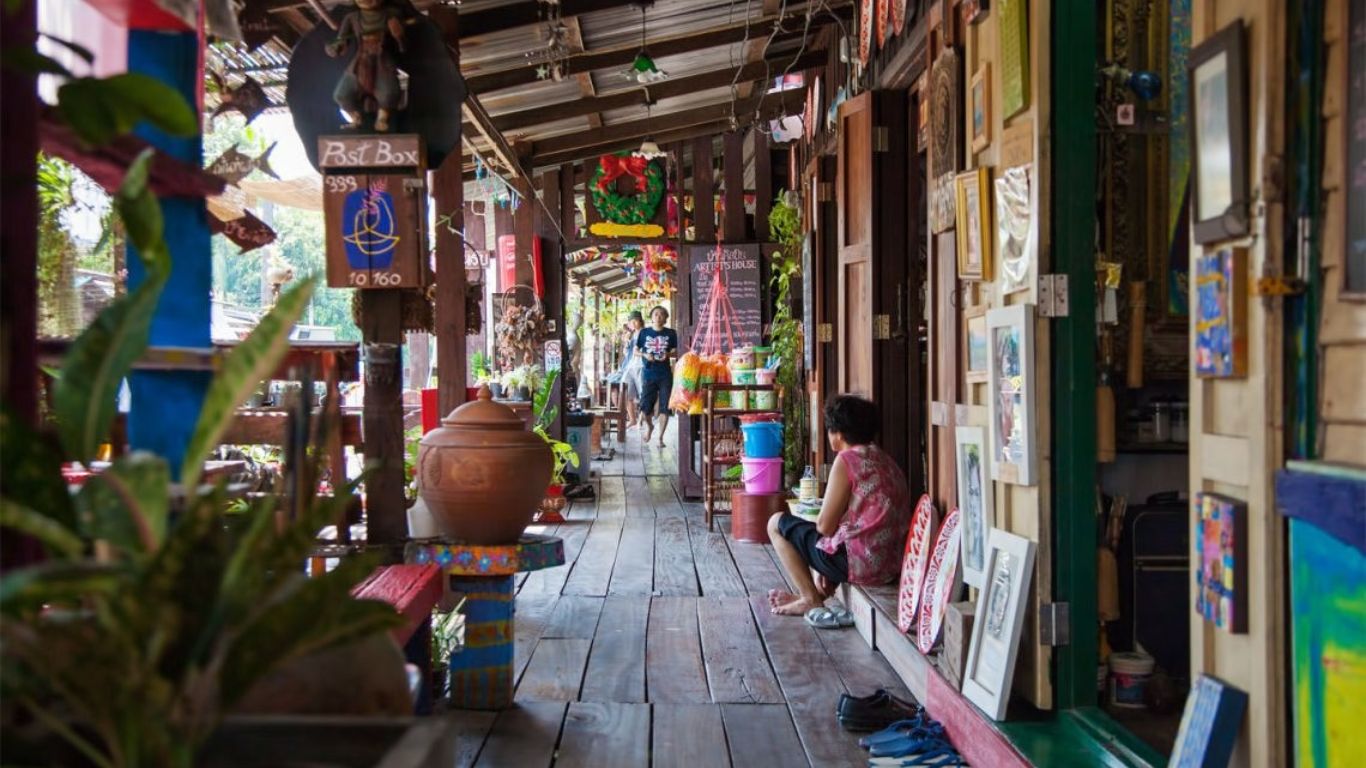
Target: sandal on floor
point(916, 742)
point(943, 757)
point(829, 618)
point(900, 729)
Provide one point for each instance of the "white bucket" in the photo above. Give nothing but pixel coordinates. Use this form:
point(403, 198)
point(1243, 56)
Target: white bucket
point(1129, 674)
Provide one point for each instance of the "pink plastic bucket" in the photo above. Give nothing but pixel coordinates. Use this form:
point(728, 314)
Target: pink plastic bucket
point(762, 475)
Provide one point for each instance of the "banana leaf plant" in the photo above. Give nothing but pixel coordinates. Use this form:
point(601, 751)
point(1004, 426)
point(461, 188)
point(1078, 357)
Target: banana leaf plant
point(563, 453)
point(154, 612)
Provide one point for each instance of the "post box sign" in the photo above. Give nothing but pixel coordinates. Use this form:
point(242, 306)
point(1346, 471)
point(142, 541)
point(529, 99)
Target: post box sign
point(375, 211)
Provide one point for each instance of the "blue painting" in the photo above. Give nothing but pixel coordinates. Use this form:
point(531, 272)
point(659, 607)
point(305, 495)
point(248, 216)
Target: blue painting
point(1209, 725)
point(1221, 313)
point(369, 227)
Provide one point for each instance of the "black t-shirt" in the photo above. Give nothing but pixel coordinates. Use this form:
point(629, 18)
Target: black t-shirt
point(657, 344)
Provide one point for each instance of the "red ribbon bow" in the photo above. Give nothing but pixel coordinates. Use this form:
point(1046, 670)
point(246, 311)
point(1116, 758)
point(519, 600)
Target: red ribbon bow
point(615, 166)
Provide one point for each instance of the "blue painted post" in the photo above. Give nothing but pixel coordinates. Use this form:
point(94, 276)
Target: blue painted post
point(481, 671)
point(166, 404)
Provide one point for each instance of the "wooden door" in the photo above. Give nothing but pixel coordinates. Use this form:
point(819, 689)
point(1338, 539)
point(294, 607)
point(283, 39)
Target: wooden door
point(855, 246)
point(823, 377)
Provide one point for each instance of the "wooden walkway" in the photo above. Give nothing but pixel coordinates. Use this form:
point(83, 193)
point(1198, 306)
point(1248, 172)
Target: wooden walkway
point(653, 645)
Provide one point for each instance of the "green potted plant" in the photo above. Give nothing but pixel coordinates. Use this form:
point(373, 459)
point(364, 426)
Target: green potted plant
point(562, 453)
point(479, 371)
point(154, 615)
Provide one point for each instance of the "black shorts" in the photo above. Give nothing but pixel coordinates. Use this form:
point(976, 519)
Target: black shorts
point(803, 535)
point(655, 390)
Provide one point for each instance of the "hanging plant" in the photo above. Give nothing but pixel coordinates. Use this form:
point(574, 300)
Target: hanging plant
point(616, 208)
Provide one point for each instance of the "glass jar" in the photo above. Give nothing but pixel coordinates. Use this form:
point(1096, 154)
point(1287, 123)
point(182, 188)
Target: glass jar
point(1180, 422)
point(1162, 423)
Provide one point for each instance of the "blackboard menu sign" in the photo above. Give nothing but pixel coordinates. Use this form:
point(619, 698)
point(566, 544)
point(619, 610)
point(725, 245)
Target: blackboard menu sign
point(740, 274)
point(1356, 147)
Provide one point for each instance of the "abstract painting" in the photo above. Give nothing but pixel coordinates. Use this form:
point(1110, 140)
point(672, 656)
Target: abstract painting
point(1209, 724)
point(1221, 313)
point(1221, 560)
point(974, 501)
point(1010, 377)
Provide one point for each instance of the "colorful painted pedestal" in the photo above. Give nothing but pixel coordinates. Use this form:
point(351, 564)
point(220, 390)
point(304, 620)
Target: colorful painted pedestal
point(481, 671)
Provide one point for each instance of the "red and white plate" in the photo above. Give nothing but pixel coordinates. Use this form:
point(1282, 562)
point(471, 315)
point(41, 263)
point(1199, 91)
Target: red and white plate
point(883, 16)
point(914, 562)
point(865, 30)
point(898, 16)
point(940, 582)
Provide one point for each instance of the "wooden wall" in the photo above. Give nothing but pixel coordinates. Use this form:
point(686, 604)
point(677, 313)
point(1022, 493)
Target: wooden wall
point(1236, 434)
point(1342, 333)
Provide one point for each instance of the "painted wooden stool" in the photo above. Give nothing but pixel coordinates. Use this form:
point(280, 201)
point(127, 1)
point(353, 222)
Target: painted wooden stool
point(481, 671)
point(749, 514)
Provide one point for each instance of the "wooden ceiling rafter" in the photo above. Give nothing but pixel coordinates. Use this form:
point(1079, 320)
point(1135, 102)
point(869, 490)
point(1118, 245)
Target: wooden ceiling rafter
point(500, 19)
point(586, 88)
point(756, 48)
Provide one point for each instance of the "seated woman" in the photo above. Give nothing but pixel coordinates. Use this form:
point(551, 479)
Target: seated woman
point(860, 534)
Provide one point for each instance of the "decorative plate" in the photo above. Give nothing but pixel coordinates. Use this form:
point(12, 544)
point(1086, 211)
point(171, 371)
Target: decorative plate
point(940, 582)
point(883, 14)
point(865, 31)
point(898, 16)
point(914, 562)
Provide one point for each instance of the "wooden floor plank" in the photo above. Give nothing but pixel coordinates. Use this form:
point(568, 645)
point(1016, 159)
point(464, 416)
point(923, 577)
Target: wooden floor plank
point(531, 613)
point(638, 500)
point(663, 497)
point(605, 735)
point(675, 573)
point(616, 665)
point(592, 570)
point(633, 573)
point(862, 669)
point(810, 684)
point(611, 498)
point(575, 616)
point(762, 734)
point(716, 571)
point(689, 736)
point(555, 672)
point(524, 735)
point(469, 728)
point(737, 666)
point(756, 568)
point(674, 671)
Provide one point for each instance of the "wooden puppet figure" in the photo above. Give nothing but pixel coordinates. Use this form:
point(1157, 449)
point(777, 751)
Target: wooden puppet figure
point(371, 81)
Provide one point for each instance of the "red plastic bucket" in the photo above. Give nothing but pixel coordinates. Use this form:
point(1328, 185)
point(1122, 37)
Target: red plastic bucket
point(762, 475)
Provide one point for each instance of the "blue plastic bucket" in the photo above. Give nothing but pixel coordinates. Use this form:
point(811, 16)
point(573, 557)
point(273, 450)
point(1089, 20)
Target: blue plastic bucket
point(763, 440)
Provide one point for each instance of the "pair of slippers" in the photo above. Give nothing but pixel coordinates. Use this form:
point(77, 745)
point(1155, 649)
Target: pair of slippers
point(829, 618)
point(918, 741)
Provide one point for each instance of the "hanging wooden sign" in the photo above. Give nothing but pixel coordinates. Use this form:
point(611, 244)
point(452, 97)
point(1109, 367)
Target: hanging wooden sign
point(375, 209)
point(246, 232)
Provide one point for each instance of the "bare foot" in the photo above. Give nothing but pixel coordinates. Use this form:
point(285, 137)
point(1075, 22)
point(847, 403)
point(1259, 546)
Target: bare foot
point(777, 597)
point(649, 430)
point(797, 607)
point(823, 584)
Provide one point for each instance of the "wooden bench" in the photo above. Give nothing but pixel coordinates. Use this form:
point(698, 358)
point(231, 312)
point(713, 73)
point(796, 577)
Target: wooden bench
point(974, 734)
point(414, 591)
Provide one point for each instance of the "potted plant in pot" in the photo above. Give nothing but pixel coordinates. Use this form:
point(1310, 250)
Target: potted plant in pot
point(562, 453)
point(479, 371)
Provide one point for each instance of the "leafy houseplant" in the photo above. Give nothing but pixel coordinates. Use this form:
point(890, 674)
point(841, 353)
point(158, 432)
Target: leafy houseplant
point(563, 453)
point(131, 651)
point(786, 330)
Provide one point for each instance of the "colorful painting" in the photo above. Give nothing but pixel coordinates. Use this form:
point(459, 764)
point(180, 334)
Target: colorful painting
point(1011, 378)
point(1221, 560)
point(1328, 610)
point(1014, 56)
point(1209, 724)
point(1221, 313)
point(979, 102)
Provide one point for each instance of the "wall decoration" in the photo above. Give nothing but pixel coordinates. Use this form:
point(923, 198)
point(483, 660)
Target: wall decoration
point(740, 273)
point(1015, 228)
point(978, 344)
point(1176, 249)
point(1013, 54)
point(974, 10)
point(865, 30)
point(1218, 120)
point(1221, 561)
point(975, 501)
point(884, 18)
point(922, 134)
point(941, 582)
point(945, 113)
point(375, 221)
point(979, 107)
point(1354, 274)
point(1221, 313)
point(1011, 381)
point(233, 165)
point(998, 622)
point(246, 231)
point(626, 215)
point(973, 195)
point(249, 98)
point(913, 564)
point(1209, 724)
point(898, 16)
point(943, 203)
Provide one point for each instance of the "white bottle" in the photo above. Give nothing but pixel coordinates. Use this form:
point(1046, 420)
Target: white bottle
point(809, 490)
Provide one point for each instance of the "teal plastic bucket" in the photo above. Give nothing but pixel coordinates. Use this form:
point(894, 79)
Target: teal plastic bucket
point(763, 440)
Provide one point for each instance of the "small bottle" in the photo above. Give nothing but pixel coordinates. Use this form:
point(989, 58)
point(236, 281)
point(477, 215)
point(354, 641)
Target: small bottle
point(809, 489)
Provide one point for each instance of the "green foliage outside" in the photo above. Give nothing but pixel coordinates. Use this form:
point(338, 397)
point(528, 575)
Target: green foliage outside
point(787, 334)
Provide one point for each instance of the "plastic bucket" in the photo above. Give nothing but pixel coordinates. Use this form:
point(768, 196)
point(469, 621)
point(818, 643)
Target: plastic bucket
point(744, 376)
point(741, 358)
point(765, 400)
point(762, 475)
point(738, 399)
point(764, 377)
point(761, 356)
point(1129, 674)
point(763, 440)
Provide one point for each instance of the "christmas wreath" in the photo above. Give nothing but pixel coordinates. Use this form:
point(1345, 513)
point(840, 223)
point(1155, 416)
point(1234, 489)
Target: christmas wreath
point(638, 208)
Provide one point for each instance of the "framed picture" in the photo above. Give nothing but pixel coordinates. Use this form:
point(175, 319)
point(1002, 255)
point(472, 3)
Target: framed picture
point(979, 102)
point(1209, 725)
point(1221, 561)
point(978, 345)
point(1010, 377)
point(1354, 129)
point(1012, 40)
point(1218, 124)
point(946, 116)
point(999, 620)
point(1221, 313)
point(1014, 226)
point(973, 191)
point(974, 502)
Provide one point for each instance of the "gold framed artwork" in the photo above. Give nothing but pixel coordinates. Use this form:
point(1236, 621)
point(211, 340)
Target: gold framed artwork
point(973, 193)
point(979, 107)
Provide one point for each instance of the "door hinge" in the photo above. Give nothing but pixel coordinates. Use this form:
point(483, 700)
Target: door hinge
point(825, 191)
point(1053, 300)
point(825, 333)
point(882, 327)
point(1055, 624)
point(882, 141)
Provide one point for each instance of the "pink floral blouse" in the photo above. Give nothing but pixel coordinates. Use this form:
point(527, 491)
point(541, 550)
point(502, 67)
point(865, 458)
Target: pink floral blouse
point(873, 530)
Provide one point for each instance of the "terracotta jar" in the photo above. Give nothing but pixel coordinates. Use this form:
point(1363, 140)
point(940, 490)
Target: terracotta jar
point(483, 474)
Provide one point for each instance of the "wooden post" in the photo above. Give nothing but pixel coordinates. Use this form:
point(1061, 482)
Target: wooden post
point(703, 191)
point(382, 421)
point(568, 211)
point(763, 185)
point(451, 364)
point(733, 228)
point(19, 210)
point(676, 160)
point(552, 270)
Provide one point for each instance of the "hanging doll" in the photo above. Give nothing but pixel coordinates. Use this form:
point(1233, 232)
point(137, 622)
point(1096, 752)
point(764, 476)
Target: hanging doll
point(371, 81)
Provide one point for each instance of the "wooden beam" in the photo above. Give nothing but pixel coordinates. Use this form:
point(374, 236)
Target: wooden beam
point(703, 192)
point(483, 124)
point(754, 51)
point(622, 55)
point(500, 19)
point(586, 87)
point(763, 185)
point(778, 103)
point(733, 165)
point(448, 192)
point(636, 96)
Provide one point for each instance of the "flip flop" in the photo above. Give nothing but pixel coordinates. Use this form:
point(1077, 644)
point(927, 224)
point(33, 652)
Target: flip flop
point(944, 756)
point(897, 730)
point(829, 618)
point(913, 743)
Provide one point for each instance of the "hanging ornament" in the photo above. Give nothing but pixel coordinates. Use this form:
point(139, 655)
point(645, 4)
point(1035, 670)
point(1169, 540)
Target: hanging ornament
point(883, 21)
point(249, 98)
point(865, 30)
point(233, 166)
point(643, 69)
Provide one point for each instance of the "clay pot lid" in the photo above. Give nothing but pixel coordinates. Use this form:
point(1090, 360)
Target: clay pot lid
point(484, 413)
